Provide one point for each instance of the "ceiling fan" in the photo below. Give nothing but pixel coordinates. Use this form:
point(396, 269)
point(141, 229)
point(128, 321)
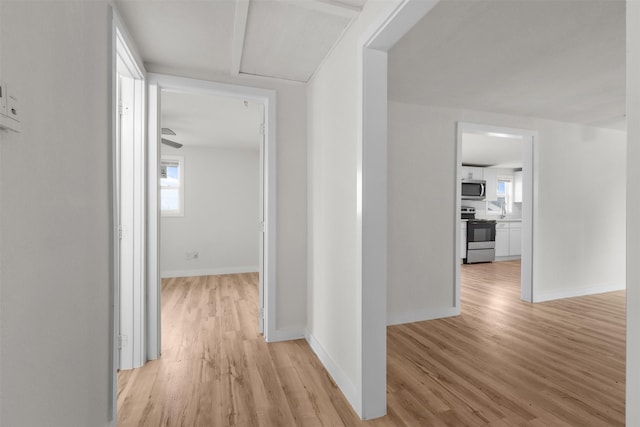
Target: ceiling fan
point(170, 143)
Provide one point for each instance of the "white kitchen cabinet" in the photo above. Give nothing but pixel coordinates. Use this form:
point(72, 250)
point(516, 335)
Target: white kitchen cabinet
point(491, 177)
point(463, 239)
point(502, 239)
point(471, 172)
point(517, 186)
point(515, 238)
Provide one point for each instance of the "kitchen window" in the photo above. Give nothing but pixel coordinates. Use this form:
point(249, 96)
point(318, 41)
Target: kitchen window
point(504, 203)
point(172, 186)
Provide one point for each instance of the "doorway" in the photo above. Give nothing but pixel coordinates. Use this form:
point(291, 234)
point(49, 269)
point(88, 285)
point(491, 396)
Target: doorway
point(501, 158)
point(211, 185)
point(159, 86)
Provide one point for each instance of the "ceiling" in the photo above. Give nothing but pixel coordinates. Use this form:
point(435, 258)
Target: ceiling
point(491, 151)
point(284, 39)
point(559, 60)
point(211, 121)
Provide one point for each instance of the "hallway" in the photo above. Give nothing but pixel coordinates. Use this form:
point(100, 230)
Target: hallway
point(216, 369)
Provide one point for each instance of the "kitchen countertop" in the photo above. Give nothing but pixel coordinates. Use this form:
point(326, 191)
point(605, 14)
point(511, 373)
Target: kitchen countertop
point(499, 219)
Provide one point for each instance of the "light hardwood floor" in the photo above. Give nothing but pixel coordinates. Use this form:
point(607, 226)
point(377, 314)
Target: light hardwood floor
point(501, 363)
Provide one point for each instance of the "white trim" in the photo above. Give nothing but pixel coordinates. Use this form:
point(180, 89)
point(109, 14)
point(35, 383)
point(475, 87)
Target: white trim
point(421, 315)
point(529, 141)
point(348, 389)
point(269, 80)
point(529, 213)
point(371, 204)
point(403, 15)
point(508, 258)
point(268, 98)
point(154, 337)
point(130, 206)
point(329, 7)
point(288, 334)
point(372, 236)
point(128, 41)
point(113, 252)
point(123, 52)
point(457, 204)
point(572, 293)
point(633, 212)
point(239, 31)
point(209, 271)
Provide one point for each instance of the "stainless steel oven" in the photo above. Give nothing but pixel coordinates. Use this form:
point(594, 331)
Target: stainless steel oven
point(481, 241)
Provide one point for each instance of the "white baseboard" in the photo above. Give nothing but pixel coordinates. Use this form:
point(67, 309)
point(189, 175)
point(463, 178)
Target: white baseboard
point(571, 293)
point(507, 258)
point(421, 315)
point(341, 379)
point(208, 271)
point(287, 334)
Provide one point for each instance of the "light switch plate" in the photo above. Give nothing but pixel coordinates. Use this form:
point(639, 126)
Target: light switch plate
point(13, 111)
point(9, 110)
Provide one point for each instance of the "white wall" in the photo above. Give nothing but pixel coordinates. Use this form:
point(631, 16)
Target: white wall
point(333, 315)
point(291, 205)
point(421, 187)
point(633, 213)
point(55, 196)
point(221, 214)
point(579, 213)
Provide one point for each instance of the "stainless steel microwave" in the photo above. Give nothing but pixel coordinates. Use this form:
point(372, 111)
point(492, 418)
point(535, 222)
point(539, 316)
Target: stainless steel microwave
point(473, 189)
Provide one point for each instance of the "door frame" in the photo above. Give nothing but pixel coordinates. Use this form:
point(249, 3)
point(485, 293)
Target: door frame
point(267, 291)
point(370, 399)
point(124, 55)
point(130, 160)
point(529, 140)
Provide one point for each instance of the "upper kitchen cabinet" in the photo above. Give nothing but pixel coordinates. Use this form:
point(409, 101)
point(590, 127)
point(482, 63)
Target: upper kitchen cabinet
point(517, 186)
point(471, 172)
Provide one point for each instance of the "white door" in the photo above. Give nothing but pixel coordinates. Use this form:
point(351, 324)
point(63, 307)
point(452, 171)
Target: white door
point(129, 211)
point(125, 221)
point(130, 216)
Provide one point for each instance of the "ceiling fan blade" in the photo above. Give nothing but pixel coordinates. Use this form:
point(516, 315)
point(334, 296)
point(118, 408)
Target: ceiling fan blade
point(167, 131)
point(171, 143)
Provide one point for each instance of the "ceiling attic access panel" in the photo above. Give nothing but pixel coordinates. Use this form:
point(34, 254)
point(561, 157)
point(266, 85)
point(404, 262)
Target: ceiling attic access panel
point(307, 30)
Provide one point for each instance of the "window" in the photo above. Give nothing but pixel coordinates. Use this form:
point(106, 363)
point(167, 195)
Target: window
point(172, 186)
point(504, 203)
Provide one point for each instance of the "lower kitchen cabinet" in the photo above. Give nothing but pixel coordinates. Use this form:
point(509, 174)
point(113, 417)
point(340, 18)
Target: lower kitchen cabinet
point(502, 239)
point(515, 238)
point(508, 239)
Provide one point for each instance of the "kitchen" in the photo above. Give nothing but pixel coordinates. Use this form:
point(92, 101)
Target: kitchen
point(491, 179)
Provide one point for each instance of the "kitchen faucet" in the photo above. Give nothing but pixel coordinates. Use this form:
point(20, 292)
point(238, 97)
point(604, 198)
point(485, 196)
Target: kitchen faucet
point(503, 211)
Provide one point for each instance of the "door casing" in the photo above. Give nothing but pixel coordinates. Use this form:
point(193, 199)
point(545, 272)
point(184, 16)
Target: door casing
point(267, 286)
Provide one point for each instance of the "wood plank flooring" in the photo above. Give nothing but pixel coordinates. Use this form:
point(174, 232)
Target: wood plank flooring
point(504, 362)
point(501, 363)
